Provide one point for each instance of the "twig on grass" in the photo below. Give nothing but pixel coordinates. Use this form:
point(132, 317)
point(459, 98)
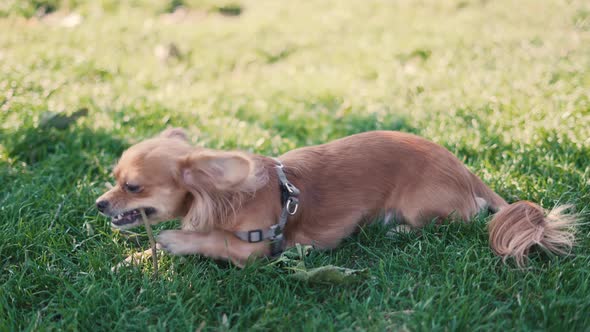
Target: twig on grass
point(148, 228)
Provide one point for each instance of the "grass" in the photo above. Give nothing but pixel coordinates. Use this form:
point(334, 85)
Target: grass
point(505, 85)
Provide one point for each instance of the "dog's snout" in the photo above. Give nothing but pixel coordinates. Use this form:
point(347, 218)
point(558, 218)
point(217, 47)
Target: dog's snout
point(102, 205)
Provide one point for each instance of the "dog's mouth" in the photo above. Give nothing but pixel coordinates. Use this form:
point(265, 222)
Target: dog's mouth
point(131, 217)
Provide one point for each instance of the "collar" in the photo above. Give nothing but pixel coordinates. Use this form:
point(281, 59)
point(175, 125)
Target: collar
point(289, 204)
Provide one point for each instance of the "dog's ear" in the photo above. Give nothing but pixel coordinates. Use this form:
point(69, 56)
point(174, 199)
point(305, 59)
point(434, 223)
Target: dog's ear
point(178, 133)
point(232, 171)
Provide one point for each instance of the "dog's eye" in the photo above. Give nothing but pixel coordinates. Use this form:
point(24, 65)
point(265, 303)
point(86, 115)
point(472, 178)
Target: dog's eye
point(132, 188)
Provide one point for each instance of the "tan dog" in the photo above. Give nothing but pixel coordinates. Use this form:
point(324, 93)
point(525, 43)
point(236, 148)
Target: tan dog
point(229, 201)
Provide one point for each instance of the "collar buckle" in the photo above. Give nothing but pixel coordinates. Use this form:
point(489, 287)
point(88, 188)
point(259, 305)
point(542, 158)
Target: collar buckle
point(291, 189)
point(255, 236)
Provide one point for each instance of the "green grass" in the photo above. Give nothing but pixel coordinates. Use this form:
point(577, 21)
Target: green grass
point(503, 84)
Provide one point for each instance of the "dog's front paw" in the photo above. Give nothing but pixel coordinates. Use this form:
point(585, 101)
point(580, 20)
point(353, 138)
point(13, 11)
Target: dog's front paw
point(177, 242)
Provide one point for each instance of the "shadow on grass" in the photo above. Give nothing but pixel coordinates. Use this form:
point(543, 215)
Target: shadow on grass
point(33, 145)
point(358, 123)
point(328, 127)
point(77, 150)
point(496, 150)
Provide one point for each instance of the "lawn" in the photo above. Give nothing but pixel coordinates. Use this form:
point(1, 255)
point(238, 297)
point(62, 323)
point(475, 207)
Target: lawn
point(505, 85)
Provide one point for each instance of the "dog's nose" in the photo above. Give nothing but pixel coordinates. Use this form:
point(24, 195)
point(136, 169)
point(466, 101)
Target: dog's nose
point(102, 205)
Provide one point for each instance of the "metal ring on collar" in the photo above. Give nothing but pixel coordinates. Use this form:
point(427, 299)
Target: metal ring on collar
point(292, 205)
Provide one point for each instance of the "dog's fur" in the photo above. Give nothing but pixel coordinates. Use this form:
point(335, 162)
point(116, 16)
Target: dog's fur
point(344, 184)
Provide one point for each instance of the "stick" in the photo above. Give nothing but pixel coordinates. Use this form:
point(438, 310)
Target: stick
point(148, 228)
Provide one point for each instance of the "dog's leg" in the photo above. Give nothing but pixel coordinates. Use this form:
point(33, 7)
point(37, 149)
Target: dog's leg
point(216, 244)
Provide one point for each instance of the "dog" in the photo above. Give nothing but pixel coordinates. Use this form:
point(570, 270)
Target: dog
point(236, 205)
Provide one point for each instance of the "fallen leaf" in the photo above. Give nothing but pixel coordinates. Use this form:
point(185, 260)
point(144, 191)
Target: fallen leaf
point(60, 121)
point(71, 20)
point(293, 261)
point(331, 274)
point(166, 52)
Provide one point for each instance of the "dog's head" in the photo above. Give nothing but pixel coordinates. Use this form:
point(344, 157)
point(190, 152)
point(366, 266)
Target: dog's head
point(168, 178)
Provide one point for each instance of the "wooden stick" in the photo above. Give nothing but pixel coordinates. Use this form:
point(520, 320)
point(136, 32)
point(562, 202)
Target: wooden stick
point(148, 228)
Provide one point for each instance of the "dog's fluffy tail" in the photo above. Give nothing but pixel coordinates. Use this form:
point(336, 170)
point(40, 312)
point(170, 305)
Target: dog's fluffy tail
point(519, 226)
